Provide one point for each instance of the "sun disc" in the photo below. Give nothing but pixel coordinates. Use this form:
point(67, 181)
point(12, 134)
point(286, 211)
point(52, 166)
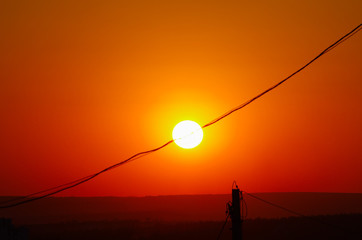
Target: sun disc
point(187, 134)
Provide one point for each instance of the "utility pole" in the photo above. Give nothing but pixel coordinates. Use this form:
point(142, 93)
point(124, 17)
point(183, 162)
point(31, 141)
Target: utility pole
point(236, 221)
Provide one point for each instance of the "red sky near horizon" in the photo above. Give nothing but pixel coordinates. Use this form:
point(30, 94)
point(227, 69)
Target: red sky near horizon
point(87, 84)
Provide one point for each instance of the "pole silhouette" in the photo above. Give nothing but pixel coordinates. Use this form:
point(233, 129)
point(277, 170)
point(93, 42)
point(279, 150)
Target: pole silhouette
point(235, 215)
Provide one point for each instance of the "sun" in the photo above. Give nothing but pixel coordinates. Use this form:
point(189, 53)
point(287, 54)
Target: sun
point(187, 134)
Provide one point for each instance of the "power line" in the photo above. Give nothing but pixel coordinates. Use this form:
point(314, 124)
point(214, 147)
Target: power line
point(44, 191)
point(276, 205)
point(223, 226)
point(339, 41)
point(228, 212)
point(77, 182)
point(300, 214)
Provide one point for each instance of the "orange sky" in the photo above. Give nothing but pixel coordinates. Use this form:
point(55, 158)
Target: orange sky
point(85, 85)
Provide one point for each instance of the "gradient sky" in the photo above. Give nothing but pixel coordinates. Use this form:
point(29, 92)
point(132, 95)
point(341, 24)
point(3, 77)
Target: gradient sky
point(85, 84)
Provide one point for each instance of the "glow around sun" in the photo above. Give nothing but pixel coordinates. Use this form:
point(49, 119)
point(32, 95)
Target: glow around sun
point(187, 134)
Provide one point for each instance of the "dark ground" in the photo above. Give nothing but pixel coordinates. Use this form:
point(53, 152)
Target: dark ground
point(335, 227)
point(188, 217)
point(178, 208)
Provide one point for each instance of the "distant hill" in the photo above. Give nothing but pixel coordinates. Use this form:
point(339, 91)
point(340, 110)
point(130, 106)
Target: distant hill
point(177, 208)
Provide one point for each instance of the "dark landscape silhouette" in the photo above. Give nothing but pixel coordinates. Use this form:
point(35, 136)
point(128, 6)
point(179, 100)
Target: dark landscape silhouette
point(177, 208)
point(283, 228)
point(189, 217)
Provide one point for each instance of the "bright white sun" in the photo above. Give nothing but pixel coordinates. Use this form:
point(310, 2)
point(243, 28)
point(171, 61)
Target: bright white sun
point(187, 134)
